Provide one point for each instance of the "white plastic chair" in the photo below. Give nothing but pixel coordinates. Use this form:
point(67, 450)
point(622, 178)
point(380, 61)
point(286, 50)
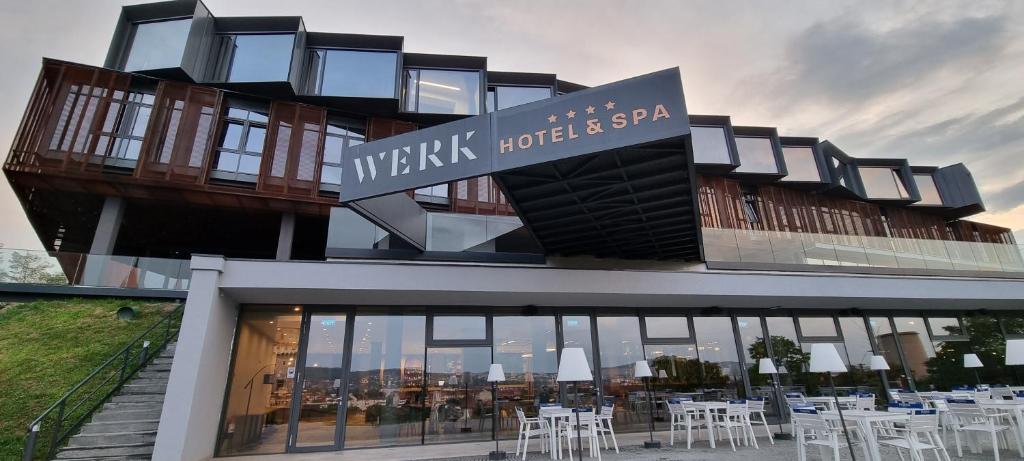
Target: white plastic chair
point(531, 427)
point(1002, 393)
point(605, 426)
point(567, 431)
point(970, 417)
point(736, 417)
point(683, 417)
point(865, 402)
point(918, 434)
point(755, 408)
point(812, 429)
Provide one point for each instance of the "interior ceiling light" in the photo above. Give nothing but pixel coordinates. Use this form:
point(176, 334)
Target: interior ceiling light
point(438, 85)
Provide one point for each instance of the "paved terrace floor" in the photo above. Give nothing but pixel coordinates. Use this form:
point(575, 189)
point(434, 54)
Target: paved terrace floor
point(629, 446)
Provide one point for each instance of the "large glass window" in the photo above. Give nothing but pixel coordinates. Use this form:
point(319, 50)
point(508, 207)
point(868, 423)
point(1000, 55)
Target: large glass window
point(800, 164)
point(858, 348)
point(321, 381)
point(926, 186)
point(621, 347)
point(882, 183)
point(431, 91)
point(526, 349)
point(576, 333)
point(385, 399)
point(667, 327)
point(917, 348)
point(756, 155)
point(125, 126)
point(451, 327)
point(946, 369)
point(339, 137)
point(503, 97)
point(364, 74)
point(437, 190)
point(257, 57)
point(710, 145)
point(237, 157)
point(157, 45)
point(458, 394)
point(886, 342)
point(716, 348)
point(259, 396)
point(790, 359)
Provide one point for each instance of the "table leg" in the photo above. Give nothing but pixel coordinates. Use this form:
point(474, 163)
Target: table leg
point(871, 450)
point(711, 426)
point(552, 436)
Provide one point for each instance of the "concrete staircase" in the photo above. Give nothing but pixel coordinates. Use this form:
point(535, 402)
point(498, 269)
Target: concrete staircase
point(125, 428)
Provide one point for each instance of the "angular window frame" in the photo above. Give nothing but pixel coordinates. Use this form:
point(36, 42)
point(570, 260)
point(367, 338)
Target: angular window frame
point(487, 341)
point(494, 92)
point(346, 140)
point(122, 63)
point(240, 150)
point(224, 58)
point(415, 107)
point(946, 337)
point(316, 71)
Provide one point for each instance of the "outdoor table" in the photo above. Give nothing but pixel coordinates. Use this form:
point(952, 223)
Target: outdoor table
point(1016, 409)
point(865, 420)
point(830, 403)
point(553, 414)
point(708, 408)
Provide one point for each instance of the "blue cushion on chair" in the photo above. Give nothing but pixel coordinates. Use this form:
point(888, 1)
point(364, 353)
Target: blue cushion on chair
point(961, 401)
point(756, 399)
point(1019, 393)
point(737, 402)
point(806, 410)
point(794, 394)
point(906, 405)
point(924, 412)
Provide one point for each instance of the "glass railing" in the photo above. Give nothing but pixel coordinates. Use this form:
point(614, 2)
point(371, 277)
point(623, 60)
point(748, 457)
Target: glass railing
point(79, 269)
point(741, 245)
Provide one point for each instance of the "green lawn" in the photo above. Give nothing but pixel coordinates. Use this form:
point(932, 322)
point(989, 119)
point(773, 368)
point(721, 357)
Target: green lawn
point(48, 346)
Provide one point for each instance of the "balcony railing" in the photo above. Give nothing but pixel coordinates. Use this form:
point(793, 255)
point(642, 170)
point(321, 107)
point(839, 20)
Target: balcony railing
point(751, 246)
point(79, 269)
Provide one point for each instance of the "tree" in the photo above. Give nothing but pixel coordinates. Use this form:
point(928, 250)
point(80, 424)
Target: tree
point(27, 267)
point(788, 354)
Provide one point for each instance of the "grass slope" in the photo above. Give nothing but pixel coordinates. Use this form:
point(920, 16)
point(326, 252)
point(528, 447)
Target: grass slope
point(48, 346)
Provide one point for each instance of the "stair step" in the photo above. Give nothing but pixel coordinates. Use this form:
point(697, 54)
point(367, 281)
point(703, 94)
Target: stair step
point(112, 439)
point(138, 398)
point(118, 406)
point(148, 381)
point(126, 415)
point(105, 451)
point(144, 389)
point(150, 374)
point(158, 367)
point(162, 360)
point(120, 426)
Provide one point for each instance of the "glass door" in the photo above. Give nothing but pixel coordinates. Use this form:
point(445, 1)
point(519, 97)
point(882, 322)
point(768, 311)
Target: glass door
point(320, 400)
point(458, 394)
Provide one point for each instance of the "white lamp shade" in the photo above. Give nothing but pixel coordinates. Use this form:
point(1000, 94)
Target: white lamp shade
point(878, 363)
point(972, 361)
point(1015, 352)
point(825, 359)
point(662, 374)
point(766, 367)
point(642, 370)
point(574, 366)
point(783, 370)
point(496, 373)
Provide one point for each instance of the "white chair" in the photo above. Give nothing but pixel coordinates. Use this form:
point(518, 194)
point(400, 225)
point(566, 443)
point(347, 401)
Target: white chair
point(736, 418)
point(1002, 393)
point(969, 417)
point(918, 434)
point(567, 431)
point(755, 408)
point(812, 429)
point(795, 400)
point(865, 402)
point(531, 427)
point(604, 426)
point(909, 397)
point(684, 417)
point(983, 392)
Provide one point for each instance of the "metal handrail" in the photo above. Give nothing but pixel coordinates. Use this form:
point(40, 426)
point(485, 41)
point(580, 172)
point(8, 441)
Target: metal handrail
point(68, 413)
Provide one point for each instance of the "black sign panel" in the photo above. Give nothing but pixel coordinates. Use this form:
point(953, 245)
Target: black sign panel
point(625, 113)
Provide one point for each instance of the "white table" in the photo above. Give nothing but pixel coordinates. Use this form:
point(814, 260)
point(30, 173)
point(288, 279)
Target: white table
point(553, 415)
point(1016, 409)
point(708, 408)
point(829, 402)
point(865, 420)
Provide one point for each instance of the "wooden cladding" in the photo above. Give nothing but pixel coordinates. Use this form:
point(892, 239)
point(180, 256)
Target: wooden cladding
point(181, 133)
point(294, 150)
point(725, 203)
point(479, 195)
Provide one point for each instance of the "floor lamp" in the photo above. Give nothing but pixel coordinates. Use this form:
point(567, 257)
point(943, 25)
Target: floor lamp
point(825, 359)
point(573, 368)
point(972, 361)
point(879, 364)
point(642, 370)
point(765, 366)
point(495, 375)
point(1015, 352)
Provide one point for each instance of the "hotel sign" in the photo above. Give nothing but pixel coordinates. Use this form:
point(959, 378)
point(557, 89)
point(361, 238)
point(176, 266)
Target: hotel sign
point(621, 114)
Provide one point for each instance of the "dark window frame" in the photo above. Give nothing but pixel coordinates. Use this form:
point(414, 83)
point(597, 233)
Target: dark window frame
point(224, 59)
point(945, 337)
point(495, 86)
point(488, 330)
point(314, 86)
point(349, 125)
point(691, 337)
point(237, 176)
point(126, 51)
point(404, 96)
point(802, 338)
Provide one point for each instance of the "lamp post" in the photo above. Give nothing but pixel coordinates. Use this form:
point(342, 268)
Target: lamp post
point(765, 366)
point(825, 359)
point(573, 368)
point(1015, 352)
point(642, 370)
point(972, 361)
point(879, 364)
point(495, 375)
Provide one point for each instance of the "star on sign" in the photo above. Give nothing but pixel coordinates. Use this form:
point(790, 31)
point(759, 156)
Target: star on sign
point(610, 105)
point(590, 110)
point(571, 114)
point(552, 118)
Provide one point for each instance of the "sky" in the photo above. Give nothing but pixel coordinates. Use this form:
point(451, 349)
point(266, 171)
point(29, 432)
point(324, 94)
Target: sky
point(938, 82)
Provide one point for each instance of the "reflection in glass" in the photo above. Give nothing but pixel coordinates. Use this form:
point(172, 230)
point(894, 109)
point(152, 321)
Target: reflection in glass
point(787, 352)
point(926, 186)
point(754, 349)
point(800, 164)
point(945, 326)
point(709, 144)
point(886, 341)
point(817, 327)
point(259, 57)
point(261, 383)
point(431, 91)
point(858, 348)
point(385, 399)
point(365, 74)
point(321, 381)
point(756, 155)
point(884, 183)
point(716, 347)
point(504, 97)
point(158, 45)
point(460, 327)
point(525, 347)
point(667, 327)
point(917, 348)
point(458, 394)
point(621, 347)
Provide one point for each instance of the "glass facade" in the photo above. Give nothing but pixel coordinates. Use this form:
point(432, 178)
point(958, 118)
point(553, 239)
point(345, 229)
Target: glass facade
point(882, 183)
point(503, 97)
point(801, 164)
point(124, 127)
point(238, 154)
point(338, 137)
point(257, 57)
point(431, 91)
point(710, 145)
point(157, 45)
point(757, 155)
point(352, 73)
point(368, 379)
point(926, 187)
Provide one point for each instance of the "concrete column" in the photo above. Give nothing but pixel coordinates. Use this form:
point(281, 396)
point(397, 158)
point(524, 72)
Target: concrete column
point(195, 390)
point(285, 236)
point(106, 229)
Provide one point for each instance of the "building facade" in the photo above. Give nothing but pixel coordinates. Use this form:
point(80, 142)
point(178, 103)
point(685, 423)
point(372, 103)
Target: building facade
point(369, 229)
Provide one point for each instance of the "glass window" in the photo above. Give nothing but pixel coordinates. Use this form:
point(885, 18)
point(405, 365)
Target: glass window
point(526, 349)
point(450, 327)
point(754, 349)
point(321, 381)
point(123, 129)
point(716, 348)
point(621, 347)
point(237, 156)
point(800, 164)
point(858, 349)
point(431, 91)
point(258, 57)
point(339, 136)
point(945, 326)
point(667, 327)
point(504, 97)
point(385, 400)
point(437, 190)
point(883, 183)
point(458, 394)
point(790, 359)
point(710, 144)
point(756, 155)
point(986, 340)
point(886, 342)
point(260, 387)
point(158, 45)
point(576, 333)
point(926, 186)
point(817, 327)
point(917, 348)
point(365, 74)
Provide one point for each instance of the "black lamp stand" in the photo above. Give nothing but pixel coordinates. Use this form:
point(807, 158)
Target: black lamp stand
point(497, 453)
point(650, 413)
point(841, 419)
